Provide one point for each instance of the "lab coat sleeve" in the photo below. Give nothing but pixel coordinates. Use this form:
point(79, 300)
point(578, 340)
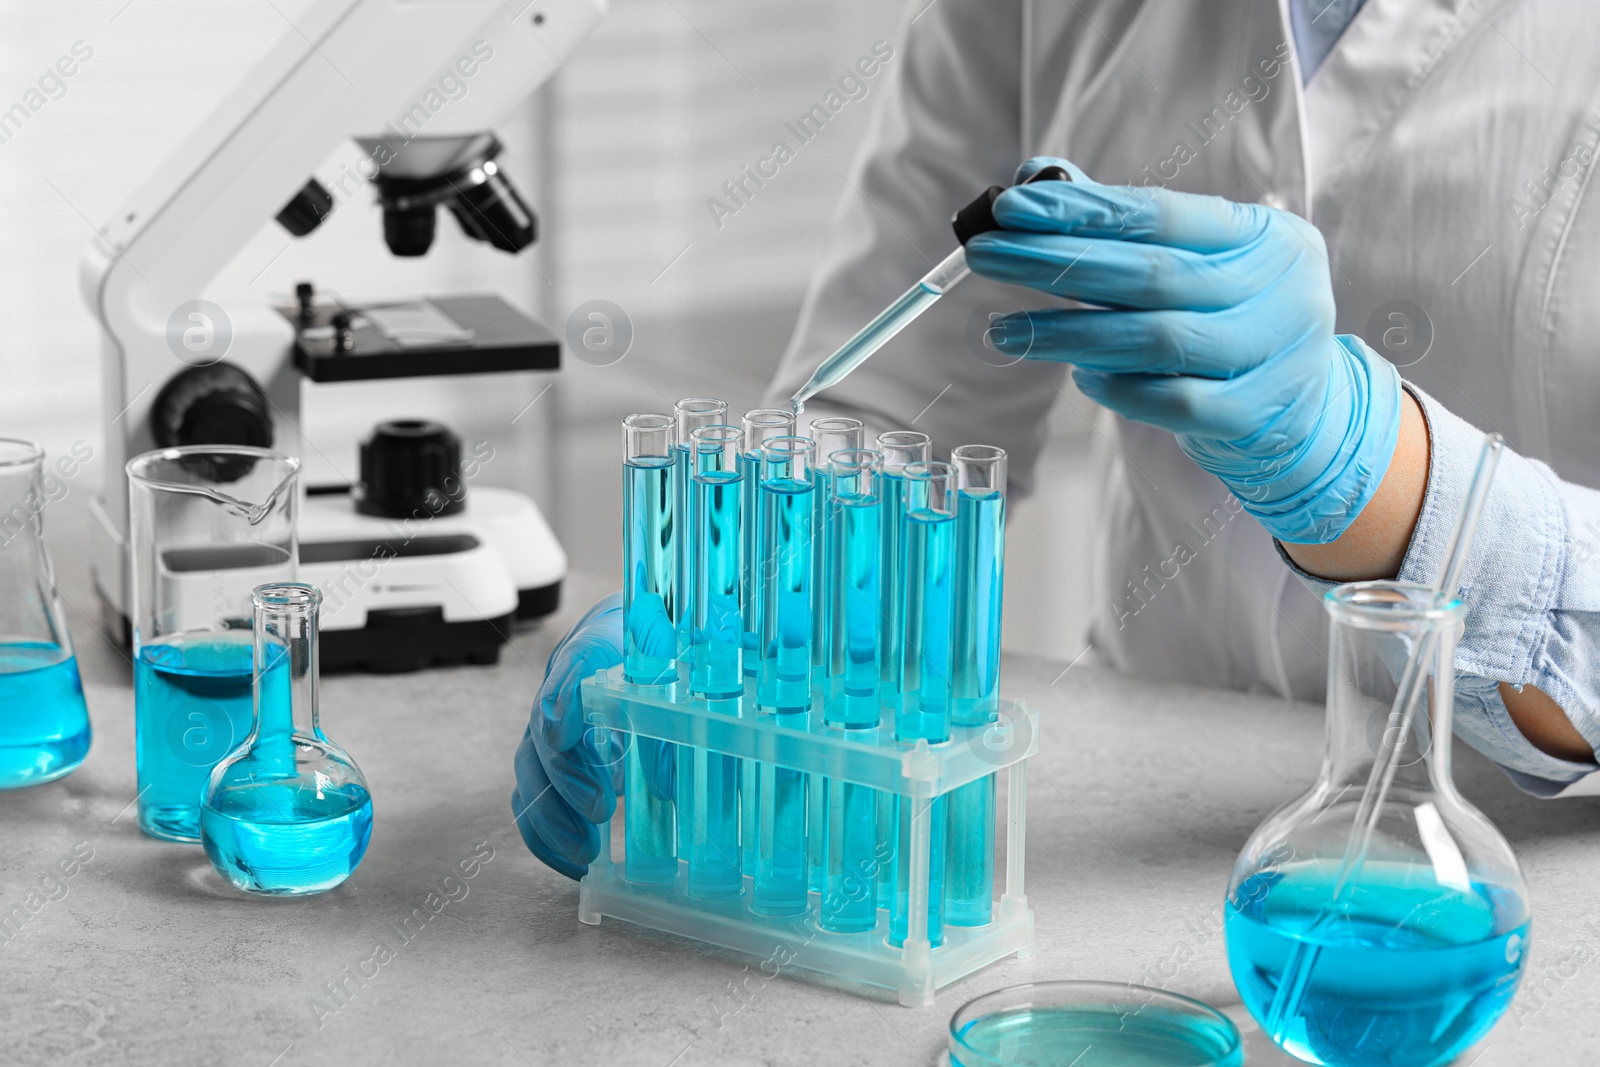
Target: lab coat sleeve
point(1532, 588)
point(945, 128)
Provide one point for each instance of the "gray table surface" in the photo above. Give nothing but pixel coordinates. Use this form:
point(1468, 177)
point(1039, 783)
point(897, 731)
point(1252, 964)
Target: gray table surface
point(1138, 802)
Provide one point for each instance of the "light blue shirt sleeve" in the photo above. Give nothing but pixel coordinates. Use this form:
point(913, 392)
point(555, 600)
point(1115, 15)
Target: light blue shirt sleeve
point(1531, 585)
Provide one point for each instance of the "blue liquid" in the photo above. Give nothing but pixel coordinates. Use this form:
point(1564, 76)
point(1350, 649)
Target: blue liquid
point(685, 583)
point(974, 696)
point(751, 528)
point(649, 562)
point(712, 829)
point(780, 871)
point(1406, 973)
point(891, 581)
point(822, 551)
point(969, 876)
point(924, 709)
point(44, 723)
point(850, 859)
point(784, 585)
point(888, 840)
point(783, 581)
point(891, 595)
point(718, 552)
point(714, 862)
point(1111, 1035)
point(938, 809)
point(192, 707)
point(649, 813)
point(854, 613)
point(284, 839)
point(925, 631)
point(871, 337)
point(980, 577)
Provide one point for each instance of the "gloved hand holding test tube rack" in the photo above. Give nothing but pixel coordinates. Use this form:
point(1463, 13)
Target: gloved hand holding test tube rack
point(813, 735)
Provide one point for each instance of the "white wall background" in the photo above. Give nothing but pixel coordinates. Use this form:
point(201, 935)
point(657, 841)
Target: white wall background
point(618, 157)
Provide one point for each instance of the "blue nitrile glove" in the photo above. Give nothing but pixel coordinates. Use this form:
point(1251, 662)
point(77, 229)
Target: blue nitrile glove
point(1220, 329)
point(565, 788)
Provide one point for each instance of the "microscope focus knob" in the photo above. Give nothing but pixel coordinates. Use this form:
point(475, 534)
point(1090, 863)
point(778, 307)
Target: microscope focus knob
point(215, 405)
point(411, 468)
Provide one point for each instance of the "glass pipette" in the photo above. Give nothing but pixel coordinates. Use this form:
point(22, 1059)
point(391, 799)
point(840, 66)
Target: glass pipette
point(977, 217)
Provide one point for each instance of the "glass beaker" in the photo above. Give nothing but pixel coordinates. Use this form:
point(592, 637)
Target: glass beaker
point(1407, 950)
point(44, 723)
point(207, 524)
point(288, 813)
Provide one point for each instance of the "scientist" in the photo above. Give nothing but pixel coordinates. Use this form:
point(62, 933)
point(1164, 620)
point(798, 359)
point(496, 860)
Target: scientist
point(1271, 183)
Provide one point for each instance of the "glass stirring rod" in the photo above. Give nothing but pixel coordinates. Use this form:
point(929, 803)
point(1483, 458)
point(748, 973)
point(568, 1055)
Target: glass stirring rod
point(977, 217)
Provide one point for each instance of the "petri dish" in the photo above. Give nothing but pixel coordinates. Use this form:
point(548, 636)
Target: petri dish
point(1091, 1024)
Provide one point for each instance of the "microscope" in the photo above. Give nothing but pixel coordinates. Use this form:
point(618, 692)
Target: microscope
point(421, 569)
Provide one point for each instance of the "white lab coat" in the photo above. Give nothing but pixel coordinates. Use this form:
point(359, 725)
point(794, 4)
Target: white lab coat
point(1412, 149)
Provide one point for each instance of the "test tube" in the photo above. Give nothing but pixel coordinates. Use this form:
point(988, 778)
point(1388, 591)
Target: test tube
point(690, 413)
point(899, 448)
point(924, 713)
point(649, 551)
point(717, 499)
point(980, 472)
point(712, 826)
point(831, 435)
point(929, 601)
point(849, 811)
point(759, 426)
point(853, 601)
point(783, 685)
point(649, 563)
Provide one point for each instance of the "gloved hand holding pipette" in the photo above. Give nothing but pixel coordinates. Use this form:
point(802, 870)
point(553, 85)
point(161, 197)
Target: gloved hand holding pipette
point(565, 787)
point(1219, 328)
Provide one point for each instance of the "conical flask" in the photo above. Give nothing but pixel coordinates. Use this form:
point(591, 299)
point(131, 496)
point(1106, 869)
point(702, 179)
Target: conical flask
point(44, 724)
point(288, 813)
point(1406, 951)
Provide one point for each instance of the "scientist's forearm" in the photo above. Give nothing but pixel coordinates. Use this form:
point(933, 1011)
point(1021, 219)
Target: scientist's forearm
point(1375, 544)
point(1374, 547)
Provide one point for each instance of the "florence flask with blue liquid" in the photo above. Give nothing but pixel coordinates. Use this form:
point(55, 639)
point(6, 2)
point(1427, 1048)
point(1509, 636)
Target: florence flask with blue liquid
point(288, 813)
point(1401, 947)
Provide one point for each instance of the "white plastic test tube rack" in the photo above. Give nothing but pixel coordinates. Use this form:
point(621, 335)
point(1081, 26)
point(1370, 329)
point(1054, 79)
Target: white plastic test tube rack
point(916, 771)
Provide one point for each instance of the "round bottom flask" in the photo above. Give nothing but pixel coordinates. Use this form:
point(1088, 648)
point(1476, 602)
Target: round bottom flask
point(288, 813)
point(1405, 948)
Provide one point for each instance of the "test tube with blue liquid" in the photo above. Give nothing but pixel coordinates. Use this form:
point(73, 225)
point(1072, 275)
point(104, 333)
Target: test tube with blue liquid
point(715, 673)
point(689, 414)
point(980, 472)
point(831, 435)
point(924, 712)
point(783, 682)
point(898, 449)
point(758, 426)
point(848, 827)
point(649, 563)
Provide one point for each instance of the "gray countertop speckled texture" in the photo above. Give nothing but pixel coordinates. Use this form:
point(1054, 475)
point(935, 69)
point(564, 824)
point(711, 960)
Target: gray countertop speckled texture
point(1140, 798)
